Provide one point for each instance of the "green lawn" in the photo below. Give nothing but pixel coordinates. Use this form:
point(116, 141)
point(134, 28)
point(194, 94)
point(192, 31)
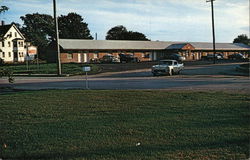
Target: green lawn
point(107, 125)
point(50, 68)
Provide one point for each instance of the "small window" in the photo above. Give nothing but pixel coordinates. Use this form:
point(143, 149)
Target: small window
point(9, 54)
point(3, 54)
point(21, 44)
point(69, 56)
point(10, 34)
point(15, 34)
point(9, 44)
point(15, 44)
point(95, 55)
point(2, 43)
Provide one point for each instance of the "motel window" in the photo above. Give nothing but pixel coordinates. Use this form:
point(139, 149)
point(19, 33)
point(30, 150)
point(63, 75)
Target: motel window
point(145, 55)
point(3, 54)
point(9, 54)
point(95, 55)
point(69, 56)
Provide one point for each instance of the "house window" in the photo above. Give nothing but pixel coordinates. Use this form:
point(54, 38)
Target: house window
point(3, 54)
point(69, 56)
point(21, 44)
point(9, 54)
point(10, 34)
point(9, 45)
point(2, 43)
point(15, 34)
point(14, 44)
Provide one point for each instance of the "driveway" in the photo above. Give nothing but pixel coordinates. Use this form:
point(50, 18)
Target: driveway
point(220, 77)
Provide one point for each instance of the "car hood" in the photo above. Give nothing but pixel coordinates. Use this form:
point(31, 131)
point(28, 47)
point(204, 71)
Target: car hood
point(160, 66)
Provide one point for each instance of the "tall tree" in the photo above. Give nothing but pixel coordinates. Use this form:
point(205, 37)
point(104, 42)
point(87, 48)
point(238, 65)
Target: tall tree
point(71, 26)
point(121, 33)
point(38, 28)
point(117, 33)
point(242, 39)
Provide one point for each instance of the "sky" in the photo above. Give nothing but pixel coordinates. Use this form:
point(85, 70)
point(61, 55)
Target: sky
point(163, 20)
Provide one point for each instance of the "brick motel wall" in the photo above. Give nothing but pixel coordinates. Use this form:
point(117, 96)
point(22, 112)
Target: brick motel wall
point(86, 57)
point(142, 56)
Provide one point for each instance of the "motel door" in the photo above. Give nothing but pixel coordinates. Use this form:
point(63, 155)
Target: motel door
point(79, 58)
point(85, 59)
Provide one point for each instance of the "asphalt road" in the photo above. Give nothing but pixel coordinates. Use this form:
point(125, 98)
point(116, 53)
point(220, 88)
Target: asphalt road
point(218, 77)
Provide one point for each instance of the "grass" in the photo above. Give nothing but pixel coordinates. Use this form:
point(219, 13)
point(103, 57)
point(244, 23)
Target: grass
point(107, 125)
point(50, 68)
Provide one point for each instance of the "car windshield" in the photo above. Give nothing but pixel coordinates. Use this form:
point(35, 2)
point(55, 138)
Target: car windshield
point(166, 62)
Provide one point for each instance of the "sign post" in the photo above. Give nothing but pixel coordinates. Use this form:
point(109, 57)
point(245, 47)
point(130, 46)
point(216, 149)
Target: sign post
point(86, 69)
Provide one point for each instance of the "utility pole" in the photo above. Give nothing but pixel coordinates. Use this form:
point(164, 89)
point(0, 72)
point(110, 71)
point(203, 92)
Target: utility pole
point(59, 69)
point(213, 30)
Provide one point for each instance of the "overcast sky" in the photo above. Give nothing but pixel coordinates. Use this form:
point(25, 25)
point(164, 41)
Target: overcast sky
point(164, 20)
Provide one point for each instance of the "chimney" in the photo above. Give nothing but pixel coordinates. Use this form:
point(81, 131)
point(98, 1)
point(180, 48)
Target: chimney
point(2, 23)
point(95, 36)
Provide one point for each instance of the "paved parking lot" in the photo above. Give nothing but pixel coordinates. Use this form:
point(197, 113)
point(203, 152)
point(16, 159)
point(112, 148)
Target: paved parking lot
point(198, 77)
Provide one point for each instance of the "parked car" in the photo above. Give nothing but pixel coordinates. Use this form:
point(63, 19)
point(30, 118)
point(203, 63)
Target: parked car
point(176, 57)
point(109, 59)
point(236, 56)
point(126, 58)
point(217, 56)
point(167, 67)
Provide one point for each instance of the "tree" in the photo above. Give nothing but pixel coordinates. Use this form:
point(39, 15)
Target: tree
point(242, 39)
point(121, 33)
point(3, 9)
point(117, 33)
point(72, 26)
point(38, 29)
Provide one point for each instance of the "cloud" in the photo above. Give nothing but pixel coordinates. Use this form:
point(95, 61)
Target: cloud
point(183, 20)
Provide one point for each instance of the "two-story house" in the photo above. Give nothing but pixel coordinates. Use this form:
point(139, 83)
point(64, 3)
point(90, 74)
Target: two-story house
point(12, 44)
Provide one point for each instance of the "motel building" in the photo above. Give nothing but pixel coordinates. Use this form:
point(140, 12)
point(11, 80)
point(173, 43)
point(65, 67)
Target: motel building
point(83, 51)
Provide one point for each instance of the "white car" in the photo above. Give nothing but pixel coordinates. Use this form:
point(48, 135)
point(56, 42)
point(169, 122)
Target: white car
point(167, 67)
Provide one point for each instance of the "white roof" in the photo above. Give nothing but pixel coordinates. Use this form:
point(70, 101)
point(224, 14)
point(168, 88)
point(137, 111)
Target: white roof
point(79, 44)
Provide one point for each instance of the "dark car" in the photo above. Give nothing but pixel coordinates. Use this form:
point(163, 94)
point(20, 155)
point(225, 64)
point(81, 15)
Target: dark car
point(126, 58)
point(236, 56)
point(176, 57)
point(217, 56)
point(109, 59)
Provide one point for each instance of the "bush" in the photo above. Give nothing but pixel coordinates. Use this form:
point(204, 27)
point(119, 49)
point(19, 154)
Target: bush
point(7, 73)
point(1, 62)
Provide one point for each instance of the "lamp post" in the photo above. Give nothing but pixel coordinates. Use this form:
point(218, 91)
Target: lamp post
point(59, 69)
point(213, 30)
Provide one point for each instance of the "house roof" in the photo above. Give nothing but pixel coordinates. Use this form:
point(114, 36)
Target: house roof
point(4, 29)
point(77, 44)
point(112, 45)
point(219, 46)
